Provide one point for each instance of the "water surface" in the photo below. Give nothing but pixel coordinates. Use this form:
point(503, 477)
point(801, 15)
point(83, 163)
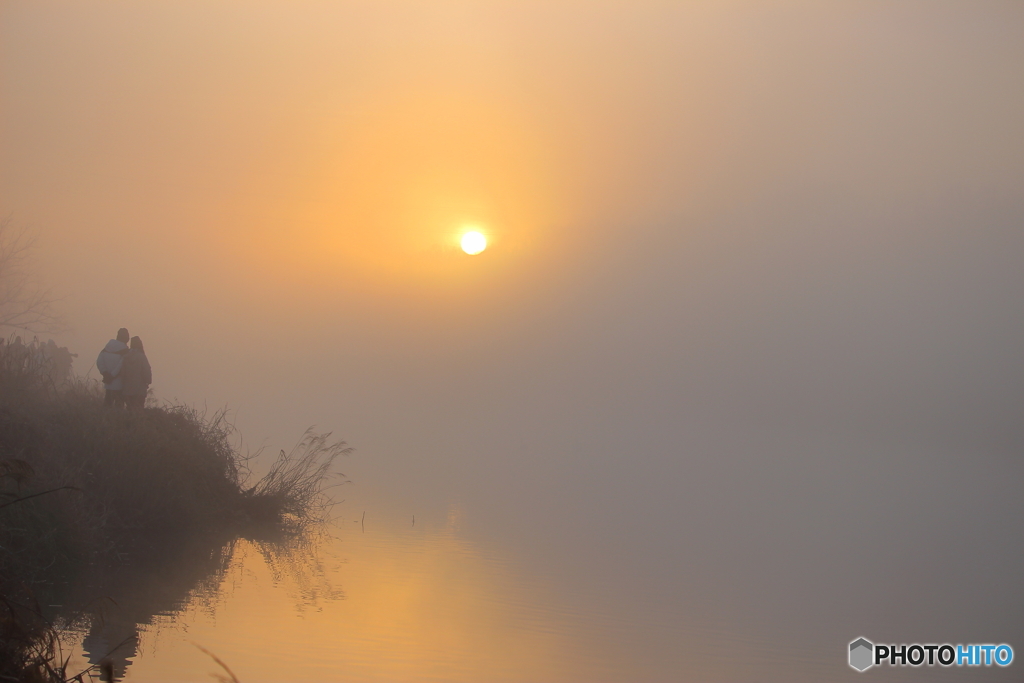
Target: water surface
point(420, 588)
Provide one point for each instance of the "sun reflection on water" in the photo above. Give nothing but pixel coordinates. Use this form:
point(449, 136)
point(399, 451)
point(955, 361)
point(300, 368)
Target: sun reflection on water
point(396, 604)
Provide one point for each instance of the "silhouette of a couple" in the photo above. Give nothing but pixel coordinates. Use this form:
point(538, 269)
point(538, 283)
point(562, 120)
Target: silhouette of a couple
point(126, 372)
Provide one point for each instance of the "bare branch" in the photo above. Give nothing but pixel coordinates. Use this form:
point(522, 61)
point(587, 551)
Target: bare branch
point(24, 303)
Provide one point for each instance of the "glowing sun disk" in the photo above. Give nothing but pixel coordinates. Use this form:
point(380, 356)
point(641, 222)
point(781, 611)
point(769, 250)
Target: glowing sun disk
point(473, 242)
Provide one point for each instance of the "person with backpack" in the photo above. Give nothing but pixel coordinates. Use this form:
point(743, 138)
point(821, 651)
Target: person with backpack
point(110, 363)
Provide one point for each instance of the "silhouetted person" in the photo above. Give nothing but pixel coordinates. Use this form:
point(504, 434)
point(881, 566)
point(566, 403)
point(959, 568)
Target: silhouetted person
point(136, 375)
point(109, 363)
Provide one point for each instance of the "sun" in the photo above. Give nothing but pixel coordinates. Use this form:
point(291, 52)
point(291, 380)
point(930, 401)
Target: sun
point(473, 242)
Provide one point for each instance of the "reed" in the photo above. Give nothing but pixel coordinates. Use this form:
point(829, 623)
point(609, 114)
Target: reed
point(294, 491)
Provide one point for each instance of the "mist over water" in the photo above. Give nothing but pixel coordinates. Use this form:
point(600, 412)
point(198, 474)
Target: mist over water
point(737, 380)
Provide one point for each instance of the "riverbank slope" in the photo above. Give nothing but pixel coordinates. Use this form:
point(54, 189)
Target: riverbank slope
point(82, 484)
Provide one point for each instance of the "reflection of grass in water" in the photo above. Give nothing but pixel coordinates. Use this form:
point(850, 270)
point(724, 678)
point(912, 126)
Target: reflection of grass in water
point(295, 562)
point(230, 678)
point(82, 484)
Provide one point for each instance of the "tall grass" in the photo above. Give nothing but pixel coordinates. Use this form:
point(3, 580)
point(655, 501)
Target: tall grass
point(294, 490)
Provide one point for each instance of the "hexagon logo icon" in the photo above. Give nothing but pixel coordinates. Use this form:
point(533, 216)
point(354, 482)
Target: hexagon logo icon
point(861, 651)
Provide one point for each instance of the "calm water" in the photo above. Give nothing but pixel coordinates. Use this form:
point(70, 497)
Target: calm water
point(504, 581)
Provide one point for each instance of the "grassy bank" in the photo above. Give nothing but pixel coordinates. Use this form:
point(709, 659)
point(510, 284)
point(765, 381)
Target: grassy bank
point(82, 484)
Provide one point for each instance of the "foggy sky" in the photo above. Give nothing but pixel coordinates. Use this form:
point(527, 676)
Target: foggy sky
point(743, 255)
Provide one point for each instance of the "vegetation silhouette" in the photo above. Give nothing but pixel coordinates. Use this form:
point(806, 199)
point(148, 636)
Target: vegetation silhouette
point(24, 303)
point(112, 500)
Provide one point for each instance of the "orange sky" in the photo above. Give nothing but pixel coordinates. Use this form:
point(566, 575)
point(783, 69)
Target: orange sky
point(288, 180)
